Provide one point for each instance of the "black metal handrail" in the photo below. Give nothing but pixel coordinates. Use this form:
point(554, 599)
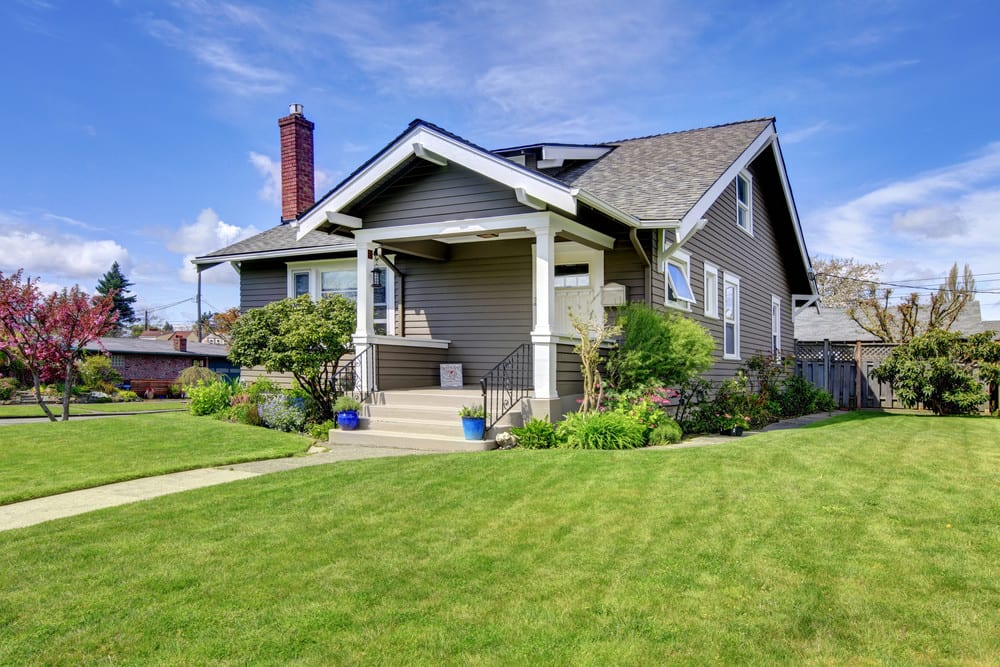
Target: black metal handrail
point(357, 377)
point(506, 384)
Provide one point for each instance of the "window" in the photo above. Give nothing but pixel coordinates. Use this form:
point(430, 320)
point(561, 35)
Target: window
point(711, 291)
point(340, 276)
point(744, 202)
point(117, 361)
point(572, 275)
point(340, 281)
point(380, 303)
point(731, 317)
point(775, 324)
point(300, 283)
point(679, 293)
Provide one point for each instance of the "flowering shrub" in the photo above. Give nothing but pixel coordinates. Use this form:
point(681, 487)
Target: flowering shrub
point(7, 388)
point(281, 414)
point(125, 396)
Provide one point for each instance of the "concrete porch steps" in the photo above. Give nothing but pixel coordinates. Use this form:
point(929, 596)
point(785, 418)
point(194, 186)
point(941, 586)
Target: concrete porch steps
point(423, 419)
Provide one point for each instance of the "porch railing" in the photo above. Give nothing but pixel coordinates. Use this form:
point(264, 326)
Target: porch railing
point(506, 384)
point(357, 377)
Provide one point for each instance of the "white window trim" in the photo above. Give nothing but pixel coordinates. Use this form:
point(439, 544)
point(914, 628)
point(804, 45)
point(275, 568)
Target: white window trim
point(315, 269)
point(681, 260)
point(713, 312)
point(775, 324)
point(730, 279)
point(745, 175)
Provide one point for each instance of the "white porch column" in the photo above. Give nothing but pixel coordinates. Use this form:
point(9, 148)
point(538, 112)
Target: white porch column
point(364, 333)
point(543, 342)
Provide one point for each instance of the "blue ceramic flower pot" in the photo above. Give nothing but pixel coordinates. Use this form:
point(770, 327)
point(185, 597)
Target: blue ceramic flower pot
point(473, 427)
point(347, 419)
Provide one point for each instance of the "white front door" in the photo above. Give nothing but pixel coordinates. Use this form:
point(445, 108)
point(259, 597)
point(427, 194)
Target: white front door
point(579, 275)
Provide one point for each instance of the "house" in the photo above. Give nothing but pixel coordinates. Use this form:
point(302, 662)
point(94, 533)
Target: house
point(835, 325)
point(479, 253)
point(157, 363)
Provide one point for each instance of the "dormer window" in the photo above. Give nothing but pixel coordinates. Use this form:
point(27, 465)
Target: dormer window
point(744, 202)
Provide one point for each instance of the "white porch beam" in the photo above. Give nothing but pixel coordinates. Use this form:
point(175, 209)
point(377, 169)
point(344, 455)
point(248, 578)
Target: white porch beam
point(343, 220)
point(425, 153)
point(527, 200)
point(365, 264)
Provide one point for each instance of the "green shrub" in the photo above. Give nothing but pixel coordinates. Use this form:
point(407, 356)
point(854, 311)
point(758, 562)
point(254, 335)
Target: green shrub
point(261, 389)
point(601, 430)
point(243, 409)
point(125, 396)
point(474, 411)
point(799, 397)
point(345, 403)
point(667, 433)
point(95, 372)
point(209, 398)
point(322, 430)
point(943, 371)
point(536, 434)
point(658, 349)
point(192, 375)
point(8, 387)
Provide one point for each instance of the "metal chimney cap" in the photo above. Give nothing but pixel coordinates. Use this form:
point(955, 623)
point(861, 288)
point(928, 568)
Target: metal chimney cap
point(295, 109)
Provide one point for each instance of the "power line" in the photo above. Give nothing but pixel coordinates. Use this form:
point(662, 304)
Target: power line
point(880, 283)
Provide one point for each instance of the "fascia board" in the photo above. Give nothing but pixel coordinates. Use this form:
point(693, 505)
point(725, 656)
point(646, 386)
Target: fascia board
point(273, 254)
point(550, 152)
point(491, 166)
point(701, 207)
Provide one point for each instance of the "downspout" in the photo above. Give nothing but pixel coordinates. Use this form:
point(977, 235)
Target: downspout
point(400, 310)
point(647, 271)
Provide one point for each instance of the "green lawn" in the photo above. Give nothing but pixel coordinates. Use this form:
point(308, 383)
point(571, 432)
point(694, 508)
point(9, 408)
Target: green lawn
point(46, 458)
point(866, 540)
point(33, 410)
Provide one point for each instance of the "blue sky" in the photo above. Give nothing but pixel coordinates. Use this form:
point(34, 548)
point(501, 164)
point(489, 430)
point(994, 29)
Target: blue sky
point(145, 132)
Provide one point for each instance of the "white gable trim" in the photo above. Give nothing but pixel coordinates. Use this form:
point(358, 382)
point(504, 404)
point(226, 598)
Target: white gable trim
point(701, 207)
point(768, 138)
point(442, 148)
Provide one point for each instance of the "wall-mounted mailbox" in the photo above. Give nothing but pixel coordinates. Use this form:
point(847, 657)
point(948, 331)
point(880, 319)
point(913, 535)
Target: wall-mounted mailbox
point(613, 294)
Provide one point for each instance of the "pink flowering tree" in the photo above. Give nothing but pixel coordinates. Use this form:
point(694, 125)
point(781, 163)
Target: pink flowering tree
point(48, 334)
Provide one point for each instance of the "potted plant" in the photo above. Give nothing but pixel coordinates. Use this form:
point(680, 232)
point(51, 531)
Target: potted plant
point(473, 421)
point(733, 424)
point(347, 408)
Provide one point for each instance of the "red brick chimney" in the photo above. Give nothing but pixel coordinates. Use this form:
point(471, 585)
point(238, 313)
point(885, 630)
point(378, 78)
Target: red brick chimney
point(297, 178)
point(180, 343)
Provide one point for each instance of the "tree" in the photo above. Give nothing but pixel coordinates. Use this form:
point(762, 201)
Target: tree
point(943, 371)
point(900, 321)
point(219, 323)
point(48, 334)
point(842, 282)
point(592, 334)
point(116, 285)
point(299, 336)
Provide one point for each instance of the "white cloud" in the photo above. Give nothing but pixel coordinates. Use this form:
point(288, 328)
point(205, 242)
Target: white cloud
point(803, 133)
point(29, 243)
point(876, 68)
point(270, 169)
point(921, 225)
point(206, 234)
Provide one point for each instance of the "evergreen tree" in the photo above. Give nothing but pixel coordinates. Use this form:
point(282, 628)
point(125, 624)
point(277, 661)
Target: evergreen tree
point(115, 281)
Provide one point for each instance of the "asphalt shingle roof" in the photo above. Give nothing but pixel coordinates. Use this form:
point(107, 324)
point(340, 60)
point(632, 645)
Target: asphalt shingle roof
point(140, 346)
point(282, 237)
point(834, 324)
point(663, 176)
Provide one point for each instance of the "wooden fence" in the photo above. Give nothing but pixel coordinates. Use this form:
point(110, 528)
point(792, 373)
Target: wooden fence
point(835, 367)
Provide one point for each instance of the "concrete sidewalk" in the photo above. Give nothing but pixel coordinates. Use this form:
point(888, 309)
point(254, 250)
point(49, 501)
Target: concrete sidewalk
point(31, 512)
point(39, 510)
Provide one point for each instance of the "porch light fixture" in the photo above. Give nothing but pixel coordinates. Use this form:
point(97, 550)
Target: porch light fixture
point(489, 236)
point(376, 276)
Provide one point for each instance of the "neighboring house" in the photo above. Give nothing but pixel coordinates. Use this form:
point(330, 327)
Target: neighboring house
point(835, 325)
point(477, 252)
point(157, 363)
point(215, 339)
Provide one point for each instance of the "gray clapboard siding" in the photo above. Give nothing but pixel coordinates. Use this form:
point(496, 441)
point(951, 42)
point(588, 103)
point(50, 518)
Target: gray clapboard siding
point(429, 193)
point(757, 260)
point(568, 378)
point(261, 283)
point(402, 367)
point(480, 300)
